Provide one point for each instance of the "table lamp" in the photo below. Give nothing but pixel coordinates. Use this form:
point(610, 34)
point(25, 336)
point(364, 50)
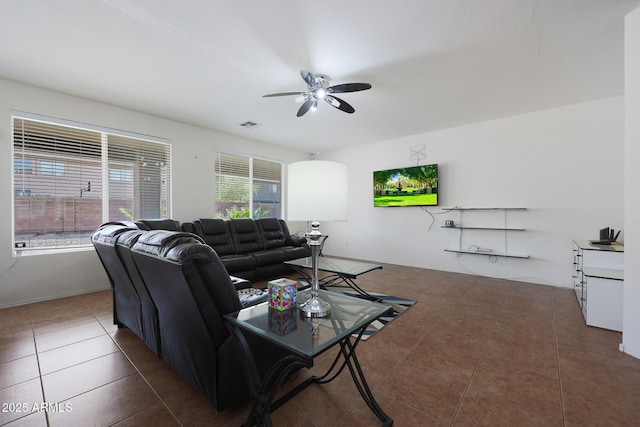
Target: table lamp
point(316, 191)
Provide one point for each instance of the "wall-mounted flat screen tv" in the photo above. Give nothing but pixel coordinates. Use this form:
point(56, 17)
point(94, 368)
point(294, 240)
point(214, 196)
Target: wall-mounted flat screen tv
point(411, 186)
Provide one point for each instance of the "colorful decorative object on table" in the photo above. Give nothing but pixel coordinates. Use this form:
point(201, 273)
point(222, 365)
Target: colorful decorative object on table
point(282, 294)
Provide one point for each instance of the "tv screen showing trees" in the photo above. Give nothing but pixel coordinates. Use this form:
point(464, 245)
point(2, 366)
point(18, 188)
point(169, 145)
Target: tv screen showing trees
point(412, 186)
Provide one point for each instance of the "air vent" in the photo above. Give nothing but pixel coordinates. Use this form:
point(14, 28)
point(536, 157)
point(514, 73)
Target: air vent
point(250, 125)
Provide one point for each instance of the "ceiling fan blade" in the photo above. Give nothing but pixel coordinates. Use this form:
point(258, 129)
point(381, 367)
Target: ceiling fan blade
point(282, 94)
point(340, 104)
point(348, 87)
point(305, 107)
point(309, 78)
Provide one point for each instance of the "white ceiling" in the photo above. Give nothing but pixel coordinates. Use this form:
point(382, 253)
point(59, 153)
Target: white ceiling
point(433, 64)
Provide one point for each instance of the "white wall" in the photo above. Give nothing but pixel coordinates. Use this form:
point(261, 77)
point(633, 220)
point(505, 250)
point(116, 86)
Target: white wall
point(30, 278)
point(564, 165)
point(631, 311)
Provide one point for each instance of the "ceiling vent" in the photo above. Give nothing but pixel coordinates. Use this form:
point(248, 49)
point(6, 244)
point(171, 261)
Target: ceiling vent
point(250, 125)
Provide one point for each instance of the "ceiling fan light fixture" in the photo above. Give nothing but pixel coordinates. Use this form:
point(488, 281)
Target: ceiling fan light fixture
point(318, 88)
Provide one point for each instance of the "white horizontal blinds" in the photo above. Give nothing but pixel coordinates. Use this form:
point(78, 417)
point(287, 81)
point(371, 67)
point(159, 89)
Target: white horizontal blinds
point(69, 178)
point(267, 178)
point(232, 185)
point(247, 187)
point(57, 183)
point(139, 178)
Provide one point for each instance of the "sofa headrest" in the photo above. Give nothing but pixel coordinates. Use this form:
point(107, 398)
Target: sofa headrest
point(108, 233)
point(158, 224)
point(129, 224)
point(191, 250)
point(270, 224)
point(244, 225)
point(160, 242)
point(129, 238)
point(213, 226)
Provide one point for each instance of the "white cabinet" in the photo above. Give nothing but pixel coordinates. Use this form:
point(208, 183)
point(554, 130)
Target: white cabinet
point(485, 220)
point(598, 282)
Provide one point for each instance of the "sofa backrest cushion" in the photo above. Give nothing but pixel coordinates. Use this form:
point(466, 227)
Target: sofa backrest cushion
point(271, 232)
point(212, 288)
point(215, 233)
point(245, 235)
point(187, 227)
point(108, 233)
point(159, 242)
point(158, 224)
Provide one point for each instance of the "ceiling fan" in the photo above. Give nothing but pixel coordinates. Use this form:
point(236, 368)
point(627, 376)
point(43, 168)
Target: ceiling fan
point(318, 88)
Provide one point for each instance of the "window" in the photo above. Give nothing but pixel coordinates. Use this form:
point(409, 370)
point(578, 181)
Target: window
point(51, 168)
point(22, 166)
point(247, 187)
point(120, 175)
point(68, 178)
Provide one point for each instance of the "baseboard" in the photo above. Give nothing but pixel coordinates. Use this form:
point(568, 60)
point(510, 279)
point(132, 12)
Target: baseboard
point(52, 297)
point(629, 350)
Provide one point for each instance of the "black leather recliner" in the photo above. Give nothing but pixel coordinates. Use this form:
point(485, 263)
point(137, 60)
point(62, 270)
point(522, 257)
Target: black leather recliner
point(192, 291)
point(127, 310)
point(132, 305)
point(275, 235)
point(252, 249)
point(150, 325)
point(248, 240)
point(216, 233)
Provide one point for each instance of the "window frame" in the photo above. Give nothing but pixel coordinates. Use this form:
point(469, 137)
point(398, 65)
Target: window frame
point(251, 181)
point(103, 162)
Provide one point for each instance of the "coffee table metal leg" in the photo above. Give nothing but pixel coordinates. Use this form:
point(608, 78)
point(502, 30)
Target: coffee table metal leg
point(361, 383)
point(338, 279)
point(350, 360)
point(263, 390)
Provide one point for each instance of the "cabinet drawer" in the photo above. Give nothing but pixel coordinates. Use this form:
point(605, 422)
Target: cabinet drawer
point(605, 303)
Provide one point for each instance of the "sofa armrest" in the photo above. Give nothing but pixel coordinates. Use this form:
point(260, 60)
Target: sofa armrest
point(240, 283)
point(294, 240)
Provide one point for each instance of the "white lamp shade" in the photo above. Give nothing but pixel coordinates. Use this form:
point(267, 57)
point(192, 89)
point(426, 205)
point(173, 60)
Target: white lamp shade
point(317, 191)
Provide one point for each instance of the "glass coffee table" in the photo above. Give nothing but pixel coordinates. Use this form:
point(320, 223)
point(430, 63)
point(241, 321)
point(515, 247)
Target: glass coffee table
point(341, 271)
point(304, 339)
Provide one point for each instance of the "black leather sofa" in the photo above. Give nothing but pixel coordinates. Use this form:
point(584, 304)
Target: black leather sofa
point(249, 249)
point(149, 312)
point(192, 291)
point(252, 249)
point(172, 291)
point(132, 305)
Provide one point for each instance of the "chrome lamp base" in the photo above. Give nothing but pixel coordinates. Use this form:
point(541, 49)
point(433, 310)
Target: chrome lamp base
point(315, 306)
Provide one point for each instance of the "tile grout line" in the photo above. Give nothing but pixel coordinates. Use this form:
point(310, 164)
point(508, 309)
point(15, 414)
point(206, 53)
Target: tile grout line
point(153, 390)
point(35, 346)
point(398, 362)
point(555, 336)
point(475, 368)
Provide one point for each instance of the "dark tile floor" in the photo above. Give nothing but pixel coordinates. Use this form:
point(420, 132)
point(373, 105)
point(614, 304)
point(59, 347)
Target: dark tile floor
point(472, 351)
